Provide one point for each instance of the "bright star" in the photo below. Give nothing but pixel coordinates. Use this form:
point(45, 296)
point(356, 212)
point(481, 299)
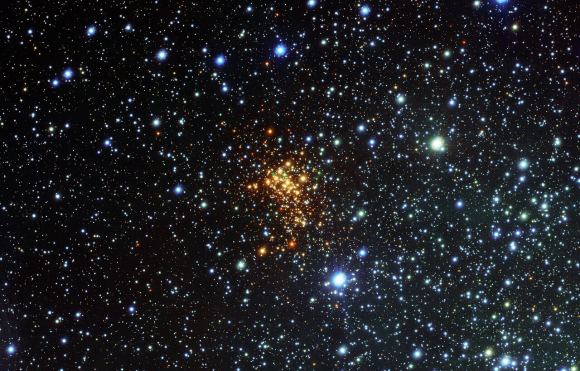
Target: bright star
point(178, 189)
point(11, 349)
point(220, 60)
point(161, 55)
point(401, 99)
point(365, 10)
point(438, 144)
point(91, 31)
point(241, 265)
point(417, 354)
point(280, 50)
point(67, 74)
point(339, 279)
point(505, 361)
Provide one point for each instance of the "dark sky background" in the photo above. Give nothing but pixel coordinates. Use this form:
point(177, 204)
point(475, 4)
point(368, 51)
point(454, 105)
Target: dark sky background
point(298, 185)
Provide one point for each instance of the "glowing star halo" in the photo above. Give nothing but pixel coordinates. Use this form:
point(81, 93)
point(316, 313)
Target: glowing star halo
point(339, 279)
point(437, 144)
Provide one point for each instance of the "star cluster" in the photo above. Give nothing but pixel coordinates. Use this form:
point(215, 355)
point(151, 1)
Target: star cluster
point(298, 184)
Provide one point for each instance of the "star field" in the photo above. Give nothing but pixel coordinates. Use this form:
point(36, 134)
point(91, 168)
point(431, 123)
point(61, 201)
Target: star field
point(310, 184)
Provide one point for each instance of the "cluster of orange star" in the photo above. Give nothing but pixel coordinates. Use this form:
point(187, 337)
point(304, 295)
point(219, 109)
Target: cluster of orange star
point(290, 191)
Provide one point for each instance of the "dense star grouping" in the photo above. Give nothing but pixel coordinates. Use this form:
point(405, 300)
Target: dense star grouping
point(300, 185)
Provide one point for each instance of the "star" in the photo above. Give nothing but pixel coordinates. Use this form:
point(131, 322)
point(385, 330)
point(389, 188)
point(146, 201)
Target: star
point(365, 10)
point(161, 55)
point(339, 279)
point(280, 50)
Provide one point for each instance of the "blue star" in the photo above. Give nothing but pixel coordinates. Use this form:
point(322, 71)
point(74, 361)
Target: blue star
point(417, 354)
point(91, 31)
point(280, 50)
point(55, 83)
point(365, 10)
point(68, 74)
point(178, 189)
point(161, 55)
point(311, 3)
point(220, 60)
point(339, 279)
point(10, 349)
